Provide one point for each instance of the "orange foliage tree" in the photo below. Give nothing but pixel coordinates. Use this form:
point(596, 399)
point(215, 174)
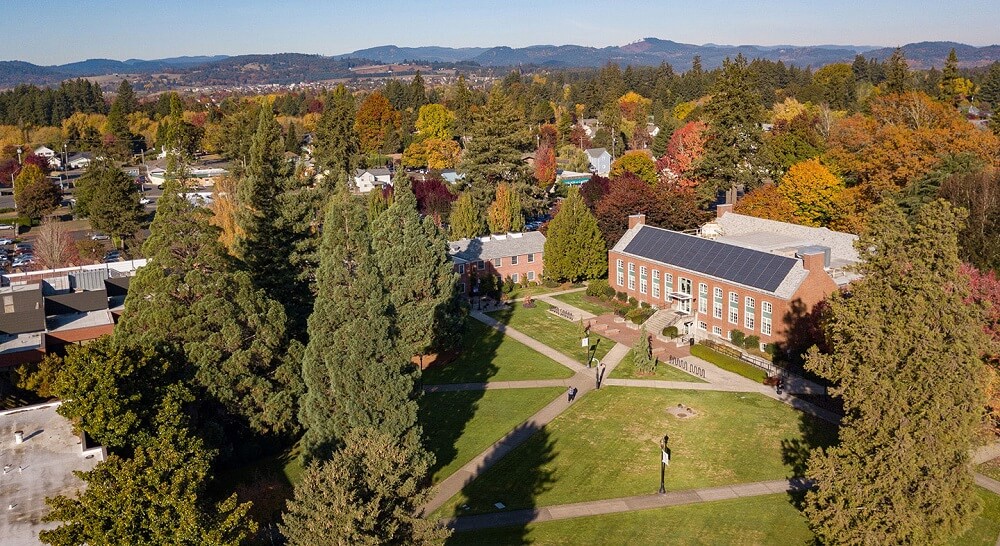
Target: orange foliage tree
point(685, 148)
point(766, 202)
point(545, 166)
point(375, 122)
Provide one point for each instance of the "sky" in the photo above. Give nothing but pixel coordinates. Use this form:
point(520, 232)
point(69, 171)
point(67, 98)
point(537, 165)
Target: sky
point(59, 31)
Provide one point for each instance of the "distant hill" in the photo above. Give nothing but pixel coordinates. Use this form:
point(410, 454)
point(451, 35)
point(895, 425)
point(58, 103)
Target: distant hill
point(434, 54)
point(933, 54)
point(16, 72)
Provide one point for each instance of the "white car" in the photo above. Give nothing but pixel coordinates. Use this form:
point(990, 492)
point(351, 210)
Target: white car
point(6, 226)
point(6, 241)
point(145, 201)
point(99, 237)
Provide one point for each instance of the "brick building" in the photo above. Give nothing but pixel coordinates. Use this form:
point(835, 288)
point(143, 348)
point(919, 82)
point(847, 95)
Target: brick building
point(514, 256)
point(737, 273)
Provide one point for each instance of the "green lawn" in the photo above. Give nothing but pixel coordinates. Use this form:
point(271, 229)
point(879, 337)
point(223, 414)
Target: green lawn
point(487, 355)
point(760, 520)
point(581, 300)
point(729, 363)
point(461, 425)
point(540, 290)
point(556, 332)
point(990, 468)
point(663, 372)
point(986, 528)
point(607, 446)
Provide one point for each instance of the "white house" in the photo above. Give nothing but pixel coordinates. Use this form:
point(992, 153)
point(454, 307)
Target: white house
point(45, 151)
point(365, 180)
point(81, 160)
point(600, 161)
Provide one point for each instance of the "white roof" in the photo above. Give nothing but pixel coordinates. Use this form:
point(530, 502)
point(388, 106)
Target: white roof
point(496, 246)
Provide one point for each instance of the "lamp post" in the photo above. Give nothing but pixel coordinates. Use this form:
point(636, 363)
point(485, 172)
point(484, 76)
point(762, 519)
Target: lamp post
point(19, 156)
point(664, 461)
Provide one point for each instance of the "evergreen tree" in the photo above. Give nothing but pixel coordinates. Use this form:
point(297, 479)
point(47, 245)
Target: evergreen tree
point(337, 145)
point(497, 139)
point(412, 255)
point(897, 78)
point(574, 246)
point(370, 492)
point(989, 91)
point(355, 374)
point(950, 91)
point(466, 219)
point(124, 104)
point(292, 140)
point(642, 353)
point(734, 133)
point(378, 203)
point(110, 199)
point(505, 214)
point(906, 360)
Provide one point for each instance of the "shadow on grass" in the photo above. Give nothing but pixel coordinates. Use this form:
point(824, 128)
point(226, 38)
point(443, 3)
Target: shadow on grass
point(528, 478)
point(815, 434)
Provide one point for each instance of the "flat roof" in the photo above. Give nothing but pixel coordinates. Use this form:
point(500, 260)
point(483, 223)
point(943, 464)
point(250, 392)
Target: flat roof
point(39, 467)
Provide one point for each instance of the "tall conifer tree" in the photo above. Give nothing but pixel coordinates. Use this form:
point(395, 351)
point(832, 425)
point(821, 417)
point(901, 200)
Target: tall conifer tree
point(574, 247)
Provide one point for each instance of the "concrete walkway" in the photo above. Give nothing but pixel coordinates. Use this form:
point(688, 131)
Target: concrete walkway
point(985, 453)
point(497, 385)
point(625, 504)
point(556, 293)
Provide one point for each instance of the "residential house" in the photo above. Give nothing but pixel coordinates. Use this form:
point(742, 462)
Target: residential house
point(738, 273)
point(45, 151)
point(365, 180)
point(590, 126)
point(600, 161)
point(80, 160)
point(451, 176)
point(514, 256)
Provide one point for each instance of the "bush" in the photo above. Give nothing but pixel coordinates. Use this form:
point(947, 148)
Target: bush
point(597, 288)
point(671, 332)
point(644, 305)
point(608, 292)
point(771, 349)
point(508, 285)
point(622, 296)
point(638, 315)
point(633, 302)
point(751, 342)
point(549, 283)
point(737, 337)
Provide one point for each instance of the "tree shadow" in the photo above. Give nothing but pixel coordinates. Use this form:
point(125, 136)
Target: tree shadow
point(515, 480)
point(795, 452)
point(803, 329)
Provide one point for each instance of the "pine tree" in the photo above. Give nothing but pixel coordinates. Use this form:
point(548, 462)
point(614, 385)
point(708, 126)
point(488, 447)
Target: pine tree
point(898, 78)
point(292, 140)
point(110, 199)
point(337, 145)
point(369, 492)
point(466, 220)
point(990, 89)
point(412, 256)
point(906, 360)
point(574, 247)
point(497, 139)
point(355, 374)
point(734, 134)
point(505, 214)
point(950, 91)
point(642, 353)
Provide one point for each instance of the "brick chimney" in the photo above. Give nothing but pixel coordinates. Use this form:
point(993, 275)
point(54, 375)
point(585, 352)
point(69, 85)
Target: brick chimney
point(813, 260)
point(722, 209)
point(636, 220)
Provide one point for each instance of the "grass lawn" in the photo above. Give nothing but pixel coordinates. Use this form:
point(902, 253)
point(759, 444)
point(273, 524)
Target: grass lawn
point(487, 355)
point(663, 372)
point(990, 468)
point(607, 446)
point(539, 290)
point(556, 332)
point(581, 300)
point(729, 363)
point(759, 520)
point(461, 425)
point(986, 528)
point(268, 483)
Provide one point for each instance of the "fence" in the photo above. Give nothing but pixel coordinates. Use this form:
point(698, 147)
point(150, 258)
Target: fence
point(752, 360)
point(562, 313)
point(692, 369)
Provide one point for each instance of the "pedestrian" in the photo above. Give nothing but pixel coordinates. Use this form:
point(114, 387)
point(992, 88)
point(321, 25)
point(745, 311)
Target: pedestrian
point(603, 369)
point(570, 394)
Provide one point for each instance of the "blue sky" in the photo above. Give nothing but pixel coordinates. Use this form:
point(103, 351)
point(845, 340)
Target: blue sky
point(59, 31)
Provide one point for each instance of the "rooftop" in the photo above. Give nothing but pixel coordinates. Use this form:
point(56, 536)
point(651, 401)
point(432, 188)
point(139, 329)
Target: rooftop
point(496, 246)
point(41, 466)
point(596, 152)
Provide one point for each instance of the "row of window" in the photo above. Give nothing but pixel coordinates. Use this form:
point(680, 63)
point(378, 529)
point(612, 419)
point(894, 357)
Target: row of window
point(497, 262)
point(716, 330)
point(684, 286)
point(530, 276)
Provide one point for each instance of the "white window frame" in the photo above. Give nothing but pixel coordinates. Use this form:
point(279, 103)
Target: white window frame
point(734, 298)
point(655, 283)
point(734, 315)
point(684, 286)
point(513, 260)
point(765, 318)
point(531, 275)
point(702, 325)
point(620, 272)
point(631, 276)
point(748, 322)
point(668, 282)
point(702, 298)
point(514, 277)
point(497, 262)
point(531, 258)
point(643, 279)
point(717, 330)
point(461, 269)
point(718, 301)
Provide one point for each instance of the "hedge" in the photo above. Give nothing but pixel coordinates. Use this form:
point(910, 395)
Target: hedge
point(729, 363)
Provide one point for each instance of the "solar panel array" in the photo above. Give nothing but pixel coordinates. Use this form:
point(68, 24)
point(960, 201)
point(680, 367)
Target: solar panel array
point(744, 266)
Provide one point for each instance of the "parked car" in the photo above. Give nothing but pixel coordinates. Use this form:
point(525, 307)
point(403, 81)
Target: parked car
point(6, 226)
point(99, 237)
point(112, 256)
point(145, 201)
point(23, 248)
point(6, 241)
point(22, 261)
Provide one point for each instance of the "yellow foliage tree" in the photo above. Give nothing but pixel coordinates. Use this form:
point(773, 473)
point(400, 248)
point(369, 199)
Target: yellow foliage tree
point(224, 209)
point(787, 110)
point(765, 202)
point(636, 162)
point(812, 190)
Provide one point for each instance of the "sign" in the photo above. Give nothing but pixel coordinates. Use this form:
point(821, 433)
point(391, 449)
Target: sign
point(666, 458)
point(585, 342)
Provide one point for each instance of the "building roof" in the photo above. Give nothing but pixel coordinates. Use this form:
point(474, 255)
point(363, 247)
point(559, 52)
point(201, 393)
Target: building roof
point(596, 152)
point(380, 171)
point(762, 271)
point(22, 310)
point(496, 246)
point(76, 302)
point(784, 238)
point(117, 286)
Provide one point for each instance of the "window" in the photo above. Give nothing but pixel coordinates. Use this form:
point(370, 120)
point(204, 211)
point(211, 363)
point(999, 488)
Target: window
point(668, 282)
point(765, 318)
point(734, 315)
point(480, 265)
point(619, 270)
point(531, 275)
point(461, 287)
point(717, 303)
point(685, 285)
point(748, 312)
point(702, 326)
point(631, 276)
point(734, 298)
point(656, 284)
point(717, 330)
point(8, 304)
point(642, 280)
point(515, 278)
point(702, 298)
point(513, 260)
point(461, 269)
point(497, 262)
point(531, 258)
point(748, 322)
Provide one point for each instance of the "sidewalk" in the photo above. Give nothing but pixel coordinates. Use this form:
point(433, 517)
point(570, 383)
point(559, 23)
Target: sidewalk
point(495, 385)
point(625, 504)
point(556, 293)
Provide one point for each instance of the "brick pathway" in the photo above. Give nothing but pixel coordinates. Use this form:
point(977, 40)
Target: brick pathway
point(625, 504)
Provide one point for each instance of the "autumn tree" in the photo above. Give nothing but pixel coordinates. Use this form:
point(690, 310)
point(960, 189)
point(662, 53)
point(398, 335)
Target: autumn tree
point(574, 247)
point(633, 112)
point(432, 153)
point(434, 198)
point(545, 166)
point(54, 246)
point(768, 203)
point(664, 207)
point(683, 151)
point(812, 190)
point(375, 123)
point(573, 159)
point(34, 194)
point(466, 219)
point(435, 121)
point(505, 214)
point(637, 163)
point(906, 360)
point(984, 291)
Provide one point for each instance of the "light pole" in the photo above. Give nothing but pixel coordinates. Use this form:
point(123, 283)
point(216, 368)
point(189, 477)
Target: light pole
point(65, 158)
point(19, 156)
point(664, 461)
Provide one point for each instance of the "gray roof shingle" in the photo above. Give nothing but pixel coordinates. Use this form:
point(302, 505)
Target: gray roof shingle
point(496, 246)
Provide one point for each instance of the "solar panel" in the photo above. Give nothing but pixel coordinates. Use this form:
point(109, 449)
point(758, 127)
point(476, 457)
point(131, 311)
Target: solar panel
point(744, 266)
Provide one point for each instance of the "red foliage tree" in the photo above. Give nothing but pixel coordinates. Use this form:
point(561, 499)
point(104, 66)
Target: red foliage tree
point(548, 135)
point(985, 290)
point(578, 137)
point(685, 148)
point(663, 206)
point(38, 161)
point(433, 197)
point(594, 189)
point(545, 165)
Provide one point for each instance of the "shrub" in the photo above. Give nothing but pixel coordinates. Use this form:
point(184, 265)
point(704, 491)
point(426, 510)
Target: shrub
point(597, 288)
point(622, 296)
point(633, 302)
point(549, 283)
point(771, 349)
point(751, 342)
point(508, 285)
point(638, 315)
point(670, 332)
point(609, 292)
point(737, 337)
point(644, 305)
point(642, 354)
